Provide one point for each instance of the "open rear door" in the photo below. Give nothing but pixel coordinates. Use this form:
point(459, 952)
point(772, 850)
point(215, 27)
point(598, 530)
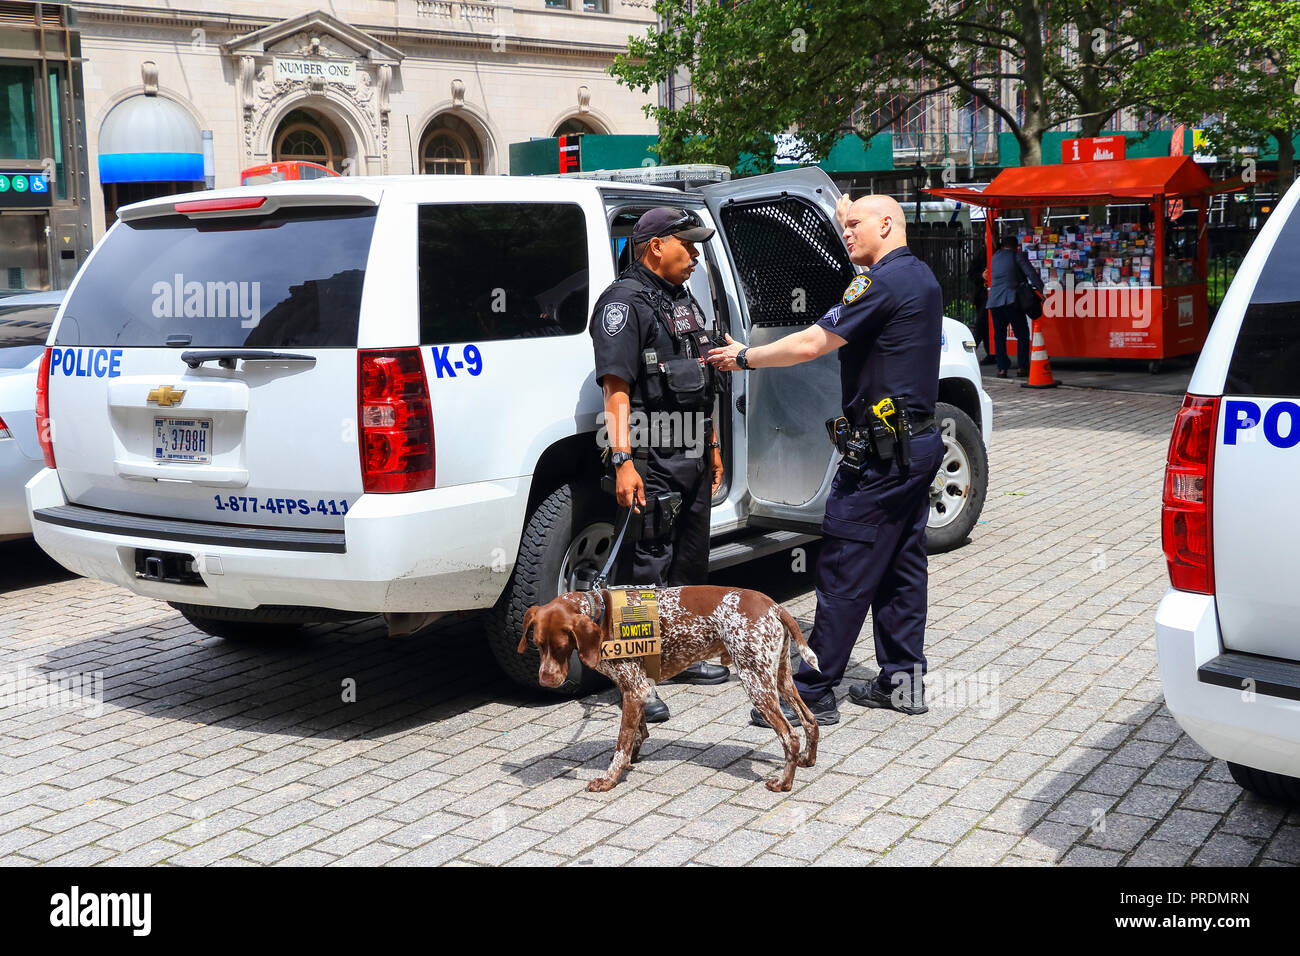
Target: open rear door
point(791, 266)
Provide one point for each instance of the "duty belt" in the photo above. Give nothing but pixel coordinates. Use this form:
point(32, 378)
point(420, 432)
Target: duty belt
point(881, 443)
point(861, 432)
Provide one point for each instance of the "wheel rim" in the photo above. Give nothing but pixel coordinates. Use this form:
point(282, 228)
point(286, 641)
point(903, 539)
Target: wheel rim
point(950, 488)
point(589, 550)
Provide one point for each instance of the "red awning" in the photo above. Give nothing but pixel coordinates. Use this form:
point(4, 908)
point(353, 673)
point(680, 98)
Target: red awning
point(1081, 184)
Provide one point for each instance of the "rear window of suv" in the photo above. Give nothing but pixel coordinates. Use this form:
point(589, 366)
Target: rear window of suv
point(502, 271)
point(289, 279)
point(1266, 359)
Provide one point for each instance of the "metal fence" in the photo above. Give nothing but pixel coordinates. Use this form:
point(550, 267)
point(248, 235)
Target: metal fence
point(949, 256)
point(1225, 247)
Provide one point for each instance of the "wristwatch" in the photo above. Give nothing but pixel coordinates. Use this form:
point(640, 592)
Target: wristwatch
point(741, 361)
point(619, 457)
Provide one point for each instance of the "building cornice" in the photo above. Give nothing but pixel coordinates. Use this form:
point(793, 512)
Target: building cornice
point(396, 35)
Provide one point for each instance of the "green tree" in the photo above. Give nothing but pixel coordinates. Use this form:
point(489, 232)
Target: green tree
point(768, 66)
point(1235, 67)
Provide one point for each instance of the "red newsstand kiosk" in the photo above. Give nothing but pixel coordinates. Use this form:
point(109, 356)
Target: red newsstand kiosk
point(1133, 287)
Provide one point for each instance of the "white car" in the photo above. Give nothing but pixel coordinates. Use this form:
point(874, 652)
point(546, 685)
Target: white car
point(1226, 631)
point(25, 322)
point(301, 401)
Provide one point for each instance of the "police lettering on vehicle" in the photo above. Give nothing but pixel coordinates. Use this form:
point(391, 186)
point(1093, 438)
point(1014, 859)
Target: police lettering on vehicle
point(1241, 417)
point(86, 363)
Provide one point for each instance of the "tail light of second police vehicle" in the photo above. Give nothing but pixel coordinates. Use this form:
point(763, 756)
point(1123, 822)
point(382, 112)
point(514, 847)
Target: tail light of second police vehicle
point(44, 431)
point(1186, 512)
point(396, 421)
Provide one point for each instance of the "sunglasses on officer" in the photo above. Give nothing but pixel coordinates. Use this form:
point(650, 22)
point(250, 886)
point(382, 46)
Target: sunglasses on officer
point(663, 222)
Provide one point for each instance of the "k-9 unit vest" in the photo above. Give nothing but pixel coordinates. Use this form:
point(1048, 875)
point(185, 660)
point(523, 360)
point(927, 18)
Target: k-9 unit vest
point(673, 374)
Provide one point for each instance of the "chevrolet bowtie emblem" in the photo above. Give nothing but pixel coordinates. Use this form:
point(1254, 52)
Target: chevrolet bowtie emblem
point(166, 396)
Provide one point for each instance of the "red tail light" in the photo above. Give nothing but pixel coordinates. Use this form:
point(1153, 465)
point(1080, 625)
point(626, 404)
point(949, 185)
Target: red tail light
point(1185, 520)
point(4, 429)
point(44, 428)
point(219, 205)
point(396, 421)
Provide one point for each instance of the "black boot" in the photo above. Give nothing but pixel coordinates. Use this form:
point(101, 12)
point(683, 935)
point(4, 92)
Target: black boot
point(656, 711)
point(823, 711)
point(900, 699)
point(703, 673)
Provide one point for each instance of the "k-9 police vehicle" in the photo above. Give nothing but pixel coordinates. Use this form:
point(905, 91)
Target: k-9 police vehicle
point(1226, 631)
point(301, 402)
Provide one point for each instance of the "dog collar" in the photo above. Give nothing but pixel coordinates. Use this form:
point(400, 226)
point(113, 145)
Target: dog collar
point(595, 605)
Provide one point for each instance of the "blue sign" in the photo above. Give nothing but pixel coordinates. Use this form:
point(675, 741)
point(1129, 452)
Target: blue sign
point(37, 184)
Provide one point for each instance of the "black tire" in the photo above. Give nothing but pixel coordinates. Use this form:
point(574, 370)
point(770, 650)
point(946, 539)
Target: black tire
point(548, 533)
point(1264, 783)
point(267, 624)
point(954, 512)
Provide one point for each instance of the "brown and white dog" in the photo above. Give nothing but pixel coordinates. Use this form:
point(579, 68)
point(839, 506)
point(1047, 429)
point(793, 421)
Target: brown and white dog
point(695, 624)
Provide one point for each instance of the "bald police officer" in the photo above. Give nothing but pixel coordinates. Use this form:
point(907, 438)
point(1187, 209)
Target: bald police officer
point(888, 326)
point(650, 342)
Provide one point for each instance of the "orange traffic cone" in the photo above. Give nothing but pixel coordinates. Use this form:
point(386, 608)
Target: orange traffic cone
point(1040, 369)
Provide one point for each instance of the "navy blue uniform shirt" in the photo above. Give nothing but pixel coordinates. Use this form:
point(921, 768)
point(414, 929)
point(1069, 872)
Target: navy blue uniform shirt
point(892, 321)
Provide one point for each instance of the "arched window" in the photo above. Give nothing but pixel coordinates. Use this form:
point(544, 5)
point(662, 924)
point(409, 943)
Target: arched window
point(574, 125)
point(303, 143)
point(306, 136)
point(450, 147)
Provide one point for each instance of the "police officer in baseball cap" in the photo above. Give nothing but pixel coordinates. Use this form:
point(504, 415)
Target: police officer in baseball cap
point(650, 341)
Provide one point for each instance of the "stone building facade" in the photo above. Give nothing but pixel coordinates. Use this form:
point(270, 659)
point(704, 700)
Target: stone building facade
point(369, 87)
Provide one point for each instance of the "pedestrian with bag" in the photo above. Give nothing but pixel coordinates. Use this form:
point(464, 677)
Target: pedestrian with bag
point(1014, 294)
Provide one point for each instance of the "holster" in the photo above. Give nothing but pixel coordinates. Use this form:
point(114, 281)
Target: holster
point(660, 514)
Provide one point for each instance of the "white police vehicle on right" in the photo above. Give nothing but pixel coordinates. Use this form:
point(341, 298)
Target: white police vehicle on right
point(1228, 630)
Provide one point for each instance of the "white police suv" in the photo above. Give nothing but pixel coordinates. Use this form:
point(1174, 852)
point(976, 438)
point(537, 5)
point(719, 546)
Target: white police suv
point(1228, 630)
point(301, 402)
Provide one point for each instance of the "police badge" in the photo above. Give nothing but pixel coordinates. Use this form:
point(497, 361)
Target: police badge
point(614, 317)
point(856, 289)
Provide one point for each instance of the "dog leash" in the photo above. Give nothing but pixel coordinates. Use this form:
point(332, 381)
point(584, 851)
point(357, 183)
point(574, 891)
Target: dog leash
point(593, 594)
point(602, 580)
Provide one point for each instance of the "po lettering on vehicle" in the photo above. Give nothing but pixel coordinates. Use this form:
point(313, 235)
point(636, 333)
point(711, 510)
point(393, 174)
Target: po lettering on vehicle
point(1280, 425)
point(86, 363)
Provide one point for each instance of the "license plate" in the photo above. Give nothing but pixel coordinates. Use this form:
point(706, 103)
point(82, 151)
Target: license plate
point(182, 439)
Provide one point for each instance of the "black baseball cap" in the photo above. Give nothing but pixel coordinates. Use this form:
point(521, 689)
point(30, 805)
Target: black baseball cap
point(666, 221)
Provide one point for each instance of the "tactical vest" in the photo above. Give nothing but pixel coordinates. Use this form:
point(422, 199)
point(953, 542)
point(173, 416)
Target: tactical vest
point(673, 374)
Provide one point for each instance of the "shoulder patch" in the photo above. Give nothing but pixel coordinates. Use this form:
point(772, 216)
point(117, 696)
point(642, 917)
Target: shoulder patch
point(857, 288)
point(614, 317)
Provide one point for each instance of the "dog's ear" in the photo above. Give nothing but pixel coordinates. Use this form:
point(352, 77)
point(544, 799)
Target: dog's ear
point(530, 618)
point(587, 635)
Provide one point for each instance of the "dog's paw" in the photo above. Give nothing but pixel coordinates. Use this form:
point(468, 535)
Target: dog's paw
point(777, 785)
point(806, 761)
point(601, 784)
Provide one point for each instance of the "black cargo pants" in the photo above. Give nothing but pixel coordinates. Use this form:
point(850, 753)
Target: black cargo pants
point(681, 558)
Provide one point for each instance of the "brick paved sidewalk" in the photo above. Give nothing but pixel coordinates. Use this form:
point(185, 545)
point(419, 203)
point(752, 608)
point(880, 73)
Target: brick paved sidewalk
point(1047, 741)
